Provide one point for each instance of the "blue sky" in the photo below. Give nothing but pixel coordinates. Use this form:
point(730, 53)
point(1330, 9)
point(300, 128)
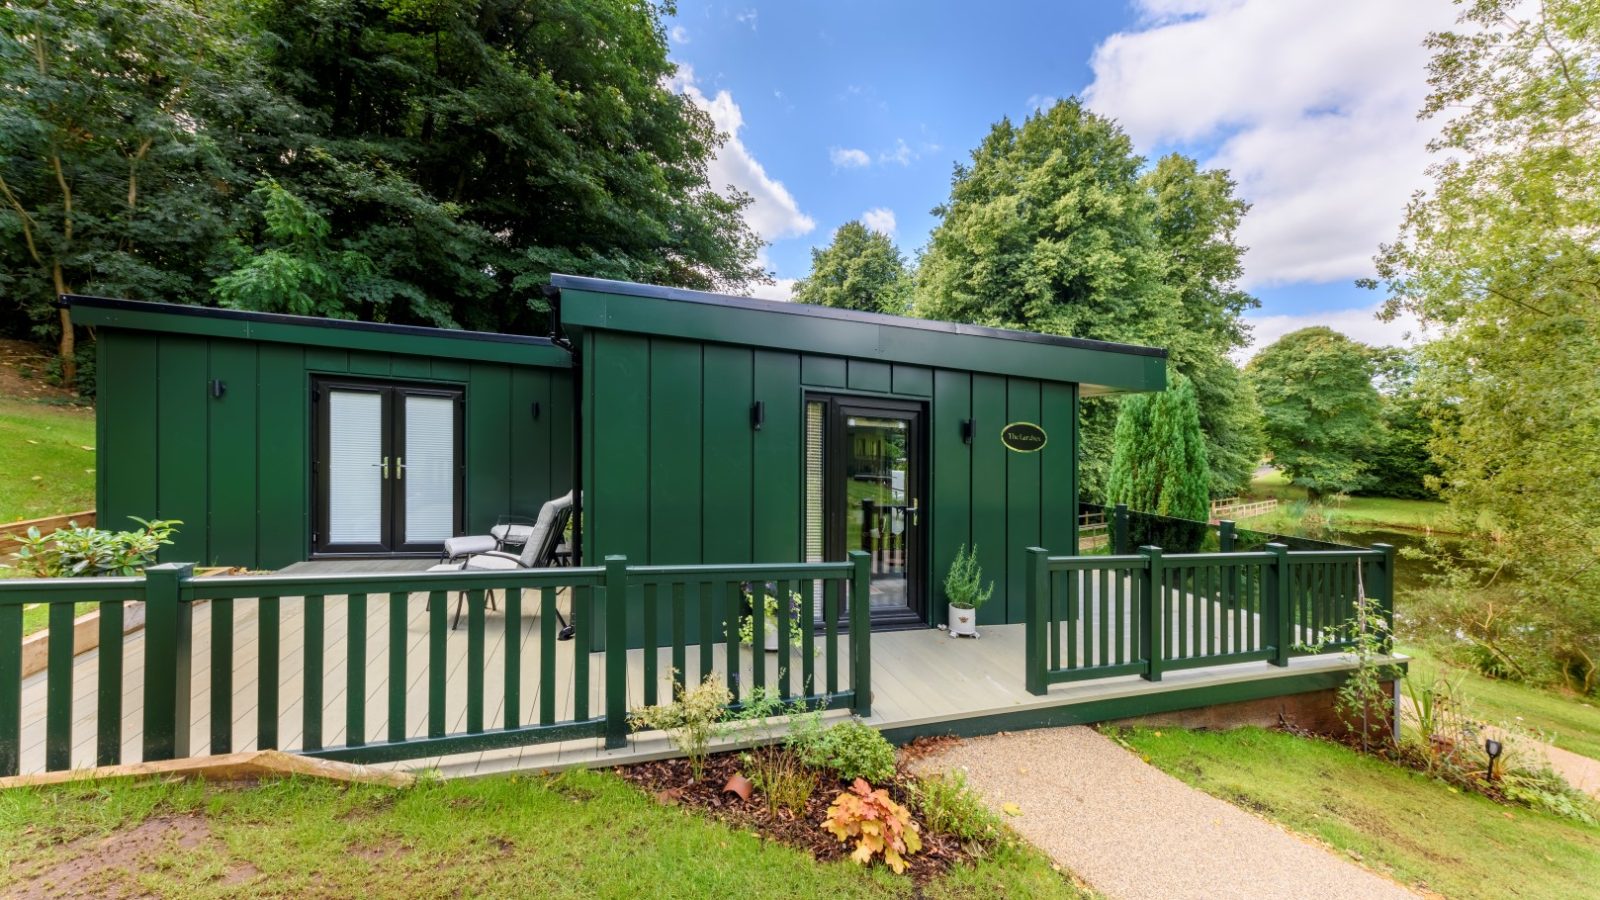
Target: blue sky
point(842, 111)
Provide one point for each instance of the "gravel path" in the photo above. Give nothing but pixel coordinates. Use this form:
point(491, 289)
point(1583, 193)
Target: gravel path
point(1132, 831)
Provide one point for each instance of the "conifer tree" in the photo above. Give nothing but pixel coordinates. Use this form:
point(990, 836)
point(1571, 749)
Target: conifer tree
point(1158, 459)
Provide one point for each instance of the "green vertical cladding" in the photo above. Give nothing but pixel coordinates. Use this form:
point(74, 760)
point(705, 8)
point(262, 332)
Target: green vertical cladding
point(1023, 497)
point(283, 445)
point(675, 452)
point(237, 468)
point(950, 482)
point(776, 460)
point(231, 454)
point(618, 426)
point(126, 427)
point(181, 413)
point(725, 463)
point(488, 446)
point(989, 494)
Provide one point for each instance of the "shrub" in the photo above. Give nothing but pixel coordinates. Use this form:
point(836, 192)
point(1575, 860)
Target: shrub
point(948, 806)
point(690, 720)
point(964, 583)
point(1544, 789)
point(74, 552)
point(878, 824)
point(777, 771)
point(851, 749)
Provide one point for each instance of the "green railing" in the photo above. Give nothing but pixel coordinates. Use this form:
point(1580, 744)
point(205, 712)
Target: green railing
point(1151, 612)
point(318, 646)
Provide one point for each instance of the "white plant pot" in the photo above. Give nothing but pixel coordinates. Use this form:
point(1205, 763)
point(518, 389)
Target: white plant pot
point(772, 637)
point(963, 622)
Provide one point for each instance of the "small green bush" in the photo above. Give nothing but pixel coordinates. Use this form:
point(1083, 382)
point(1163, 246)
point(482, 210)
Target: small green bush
point(73, 552)
point(690, 720)
point(964, 583)
point(851, 749)
point(948, 806)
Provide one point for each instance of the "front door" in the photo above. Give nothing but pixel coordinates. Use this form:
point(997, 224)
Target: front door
point(387, 467)
point(869, 489)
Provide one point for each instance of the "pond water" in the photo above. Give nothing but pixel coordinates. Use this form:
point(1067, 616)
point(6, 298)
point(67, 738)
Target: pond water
point(1410, 574)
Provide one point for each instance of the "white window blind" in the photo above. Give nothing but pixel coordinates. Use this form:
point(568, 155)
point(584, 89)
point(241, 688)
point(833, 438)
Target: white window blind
point(816, 416)
point(355, 473)
point(430, 461)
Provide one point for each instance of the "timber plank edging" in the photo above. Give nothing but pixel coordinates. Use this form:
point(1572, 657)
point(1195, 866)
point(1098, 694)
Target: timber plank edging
point(247, 766)
point(46, 525)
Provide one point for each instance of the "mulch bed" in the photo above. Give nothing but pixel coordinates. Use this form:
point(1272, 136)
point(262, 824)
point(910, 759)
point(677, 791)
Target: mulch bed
point(670, 782)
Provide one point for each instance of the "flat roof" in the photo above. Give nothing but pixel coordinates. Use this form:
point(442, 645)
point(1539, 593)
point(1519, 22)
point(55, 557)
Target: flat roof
point(1101, 367)
point(417, 340)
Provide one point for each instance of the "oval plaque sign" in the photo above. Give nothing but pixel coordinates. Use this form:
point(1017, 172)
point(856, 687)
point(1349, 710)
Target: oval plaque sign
point(1023, 437)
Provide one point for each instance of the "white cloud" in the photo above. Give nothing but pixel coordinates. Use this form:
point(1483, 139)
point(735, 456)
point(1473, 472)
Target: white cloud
point(849, 158)
point(901, 153)
point(1312, 106)
point(879, 219)
point(780, 289)
point(746, 17)
point(679, 34)
point(774, 213)
point(1037, 102)
point(1360, 324)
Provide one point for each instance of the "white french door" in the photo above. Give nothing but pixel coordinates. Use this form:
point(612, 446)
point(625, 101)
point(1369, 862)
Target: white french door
point(387, 467)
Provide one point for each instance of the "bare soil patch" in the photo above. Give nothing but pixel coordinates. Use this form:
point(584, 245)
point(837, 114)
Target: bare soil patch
point(23, 370)
point(109, 865)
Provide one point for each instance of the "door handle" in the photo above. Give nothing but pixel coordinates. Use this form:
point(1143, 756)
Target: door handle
point(383, 467)
point(399, 467)
point(912, 510)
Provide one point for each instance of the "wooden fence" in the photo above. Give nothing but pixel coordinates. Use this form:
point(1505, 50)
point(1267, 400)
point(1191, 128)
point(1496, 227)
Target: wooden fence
point(580, 690)
point(9, 533)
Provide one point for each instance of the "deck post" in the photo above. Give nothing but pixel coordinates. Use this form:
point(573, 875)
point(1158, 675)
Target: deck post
point(1383, 591)
point(168, 637)
point(1226, 539)
point(1277, 600)
point(1037, 646)
point(861, 631)
point(617, 652)
point(1154, 626)
point(1119, 529)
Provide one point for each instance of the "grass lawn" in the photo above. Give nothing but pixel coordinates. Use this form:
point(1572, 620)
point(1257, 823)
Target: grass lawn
point(1354, 512)
point(47, 457)
point(1413, 828)
point(581, 834)
point(1568, 721)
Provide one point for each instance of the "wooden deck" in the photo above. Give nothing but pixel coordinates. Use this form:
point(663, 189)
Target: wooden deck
point(923, 681)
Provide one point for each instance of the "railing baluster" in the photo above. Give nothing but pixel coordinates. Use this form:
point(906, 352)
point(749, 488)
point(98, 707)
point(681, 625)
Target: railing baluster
point(1213, 581)
point(399, 638)
point(708, 630)
point(785, 664)
point(512, 636)
point(582, 641)
point(438, 634)
point(680, 653)
point(652, 654)
point(475, 660)
point(830, 624)
point(1103, 593)
point(1053, 607)
point(108, 708)
point(355, 672)
point(547, 650)
point(616, 659)
point(267, 674)
point(10, 689)
point(808, 638)
point(221, 674)
point(758, 631)
point(861, 635)
point(58, 700)
point(1071, 579)
point(728, 600)
point(312, 708)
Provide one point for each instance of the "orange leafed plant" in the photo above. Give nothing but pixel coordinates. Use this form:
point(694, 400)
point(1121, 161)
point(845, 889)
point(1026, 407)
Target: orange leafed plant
point(878, 824)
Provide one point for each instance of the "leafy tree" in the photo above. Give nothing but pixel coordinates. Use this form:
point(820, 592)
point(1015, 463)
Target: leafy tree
point(861, 270)
point(297, 272)
point(1159, 461)
point(1054, 227)
point(1319, 408)
point(110, 178)
point(470, 147)
point(1501, 256)
point(1401, 463)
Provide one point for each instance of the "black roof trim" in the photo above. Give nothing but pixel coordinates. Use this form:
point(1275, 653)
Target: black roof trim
point(628, 288)
point(240, 315)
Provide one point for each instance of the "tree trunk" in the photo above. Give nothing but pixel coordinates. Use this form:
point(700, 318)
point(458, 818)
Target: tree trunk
point(68, 347)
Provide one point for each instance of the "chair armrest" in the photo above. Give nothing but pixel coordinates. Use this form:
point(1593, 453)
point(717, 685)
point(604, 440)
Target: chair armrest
point(501, 554)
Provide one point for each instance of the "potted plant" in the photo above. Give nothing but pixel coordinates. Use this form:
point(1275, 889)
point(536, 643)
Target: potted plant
point(797, 620)
point(964, 588)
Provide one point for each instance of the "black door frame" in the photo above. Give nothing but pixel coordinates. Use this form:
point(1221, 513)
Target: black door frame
point(835, 507)
point(392, 502)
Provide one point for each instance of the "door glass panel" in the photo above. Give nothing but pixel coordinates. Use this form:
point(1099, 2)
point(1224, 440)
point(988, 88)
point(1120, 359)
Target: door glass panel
point(355, 467)
point(877, 505)
point(428, 471)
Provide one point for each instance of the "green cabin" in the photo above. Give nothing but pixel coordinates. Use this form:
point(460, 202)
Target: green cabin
point(701, 428)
